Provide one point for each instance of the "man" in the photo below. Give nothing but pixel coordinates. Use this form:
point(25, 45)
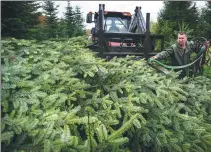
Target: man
point(113, 27)
point(179, 53)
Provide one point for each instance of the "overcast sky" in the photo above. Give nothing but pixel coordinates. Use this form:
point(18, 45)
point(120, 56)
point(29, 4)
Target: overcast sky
point(152, 7)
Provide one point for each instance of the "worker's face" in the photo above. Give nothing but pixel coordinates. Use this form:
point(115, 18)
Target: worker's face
point(182, 39)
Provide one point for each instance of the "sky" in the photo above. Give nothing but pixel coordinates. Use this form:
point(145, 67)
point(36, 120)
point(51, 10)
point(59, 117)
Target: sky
point(152, 7)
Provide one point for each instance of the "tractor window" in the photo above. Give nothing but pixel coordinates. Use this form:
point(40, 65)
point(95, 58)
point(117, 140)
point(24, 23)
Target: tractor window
point(116, 24)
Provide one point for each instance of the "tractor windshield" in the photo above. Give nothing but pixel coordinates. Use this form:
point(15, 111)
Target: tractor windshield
point(116, 24)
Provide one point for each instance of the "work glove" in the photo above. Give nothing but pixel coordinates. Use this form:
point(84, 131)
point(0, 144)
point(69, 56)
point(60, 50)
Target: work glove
point(207, 43)
point(152, 59)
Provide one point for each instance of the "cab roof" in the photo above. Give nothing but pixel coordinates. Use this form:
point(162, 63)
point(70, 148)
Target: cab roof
point(117, 14)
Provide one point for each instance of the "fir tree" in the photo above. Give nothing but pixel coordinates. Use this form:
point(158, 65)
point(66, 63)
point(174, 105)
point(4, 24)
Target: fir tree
point(178, 12)
point(50, 11)
point(207, 19)
point(69, 17)
point(18, 17)
point(79, 20)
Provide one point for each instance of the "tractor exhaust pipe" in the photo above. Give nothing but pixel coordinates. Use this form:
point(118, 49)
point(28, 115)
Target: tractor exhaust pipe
point(101, 31)
point(147, 40)
point(101, 16)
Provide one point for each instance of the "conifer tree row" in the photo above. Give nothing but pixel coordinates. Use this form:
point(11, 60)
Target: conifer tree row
point(39, 20)
point(58, 96)
point(174, 15)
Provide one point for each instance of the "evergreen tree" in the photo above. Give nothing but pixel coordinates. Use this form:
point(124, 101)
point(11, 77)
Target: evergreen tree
point(62, 28)
point(204, 22)
point(207, 19)
point(50, 11)
point(78, 17)
point(69, 17)
point(18, 17)
point(179, 12)
point(79, 22)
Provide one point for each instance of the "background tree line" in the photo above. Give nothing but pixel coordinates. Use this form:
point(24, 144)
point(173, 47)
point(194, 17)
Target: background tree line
point(23, 19)
point(183, 16)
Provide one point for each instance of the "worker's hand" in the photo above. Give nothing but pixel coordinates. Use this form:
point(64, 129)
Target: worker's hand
point(151, 59)
point(154, 57)
point(207, 43)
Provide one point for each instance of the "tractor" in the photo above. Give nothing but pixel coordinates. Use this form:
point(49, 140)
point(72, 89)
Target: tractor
point(122, 34)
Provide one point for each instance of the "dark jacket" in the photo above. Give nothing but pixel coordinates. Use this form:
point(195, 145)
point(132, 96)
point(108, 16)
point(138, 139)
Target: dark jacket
point(114, 28)
point(179, 56)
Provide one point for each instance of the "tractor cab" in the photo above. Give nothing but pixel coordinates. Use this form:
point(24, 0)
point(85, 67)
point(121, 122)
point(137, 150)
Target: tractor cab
point(116, 21)
point(113, 22)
